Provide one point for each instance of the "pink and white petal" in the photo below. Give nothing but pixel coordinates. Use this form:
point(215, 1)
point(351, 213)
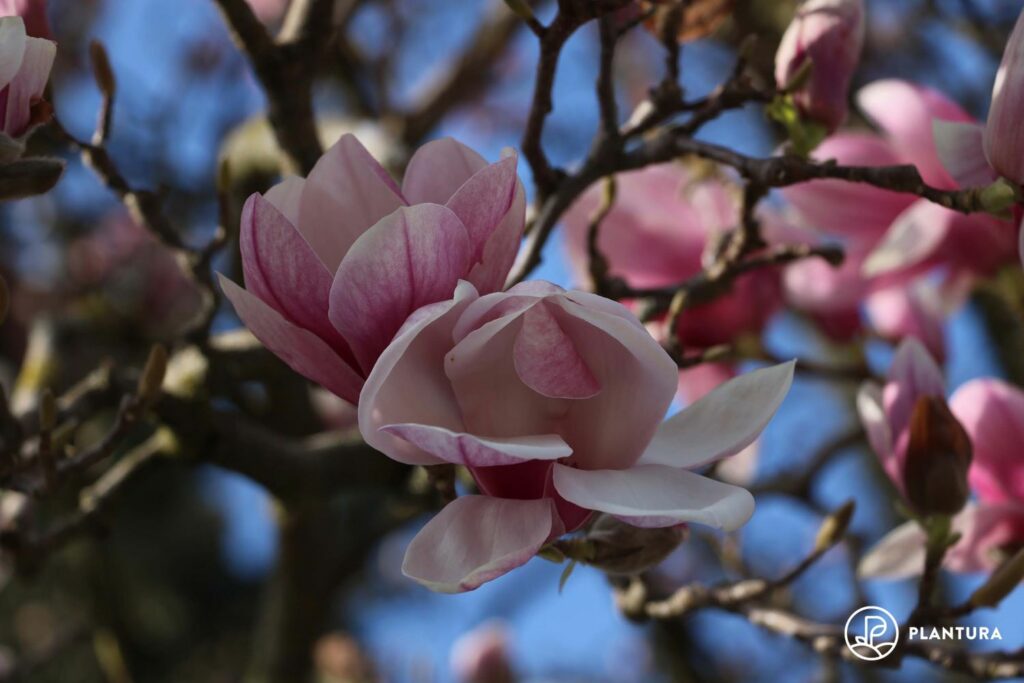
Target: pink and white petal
point(899, 555)
point(723, 422)
point(905, 112)
point(412, 367)
point(656, 496)
point(286, 197)
point(12, 47)
point(438, 169)
point(992, 413)
point(913, 374)
point(547, 361)
point(961, 149)
point(500, 304)
point(914, 236)
point(460, 448)
point(476, 539)
point(909, 310)
point(413, 257)
point(345, 194)
point(483, 200)
point(302, 350)
point(501, 248)
point(872, 415)
point(29, 83)
point(282, 269)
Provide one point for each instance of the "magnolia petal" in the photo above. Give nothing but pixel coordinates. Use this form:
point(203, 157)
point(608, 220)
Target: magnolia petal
point(962, 151)
point(913, 374)
point(302, 350)
point(12, 47)
point(914, 236)
point(281, 269)
point(546, 359)
point(460, 448)
point(475, 539)
point(501, 248)
point(898, 555)
point(992, 413)
point(438, 169)
point(483, 200)
point(412, 367)
point(286, 197)
point(411, 258)
point(1004, 137)
point(723, 422)
point(872, 415)
point(656, 496)
point(28, 84)
point(345, 194)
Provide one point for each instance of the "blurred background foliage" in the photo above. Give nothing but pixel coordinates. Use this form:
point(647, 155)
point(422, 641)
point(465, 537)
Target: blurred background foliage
point(170, 588)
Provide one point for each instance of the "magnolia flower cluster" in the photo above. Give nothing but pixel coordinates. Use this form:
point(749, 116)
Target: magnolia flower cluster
point(391, 297)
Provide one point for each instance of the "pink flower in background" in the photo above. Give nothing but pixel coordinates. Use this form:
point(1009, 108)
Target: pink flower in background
point(657, 233)
point(33, 12)
point(25, 64)
point(268, 10)
point(992, 413)
point(830, 35)
point(554, 400)
point(482, 656)
point(336, 262)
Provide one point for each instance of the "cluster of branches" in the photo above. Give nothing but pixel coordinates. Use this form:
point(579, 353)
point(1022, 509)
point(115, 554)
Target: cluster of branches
point(168, 408)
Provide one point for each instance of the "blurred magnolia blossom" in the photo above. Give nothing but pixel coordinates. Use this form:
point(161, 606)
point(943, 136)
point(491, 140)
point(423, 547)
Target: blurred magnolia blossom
point(991, 415)
point(140, 278)
point(553, 400)
point(25, 64)
point(663, 227)
point(336, 262)
point(891, 238)
point(482, 655)
point(268, 10)
point(33, 12)
point(826, 38)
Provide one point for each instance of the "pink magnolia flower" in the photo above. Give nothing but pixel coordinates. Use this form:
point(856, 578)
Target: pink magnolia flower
point(554, 400)
point(33, 12)
point(336, 262)
point(25, 64)
point(992, 413)
point(657, 234)
point(482, 656)
point(830, 35)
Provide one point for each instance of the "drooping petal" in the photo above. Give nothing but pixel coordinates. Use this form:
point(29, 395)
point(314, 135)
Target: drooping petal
point(656, 496)
point(723, 422)
point(547, 361)
point(438, 169)
point(411, 258)
point(410, 368)
point(28, 84)
point(302, 350)
point(281, 269)
point(905, 111)
point(345, 194)
point(961, 149)
point(475, 539)
point(460, 448)
point(12, 47)
point(914, 236)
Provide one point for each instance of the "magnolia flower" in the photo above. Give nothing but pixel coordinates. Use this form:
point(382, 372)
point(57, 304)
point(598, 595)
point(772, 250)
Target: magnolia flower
point(482, 655)
point(25, 64)
point(336, 262)
point(554, 400)
point(829, 34)
point(33, 12)
point(992, 413)
point(657, 233)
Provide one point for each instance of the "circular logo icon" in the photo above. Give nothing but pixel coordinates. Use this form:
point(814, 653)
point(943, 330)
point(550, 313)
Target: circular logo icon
point(872, 633)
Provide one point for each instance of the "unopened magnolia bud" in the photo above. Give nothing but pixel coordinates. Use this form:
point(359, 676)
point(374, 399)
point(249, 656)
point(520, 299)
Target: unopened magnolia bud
point(101, 69)
point(834, 527)
point(1003, 137)
point(152, 377)
point(619, 548)
point(938, 456)
point(999, 197)
point(47, 411)
point(1002, 582)
point(829, 34)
